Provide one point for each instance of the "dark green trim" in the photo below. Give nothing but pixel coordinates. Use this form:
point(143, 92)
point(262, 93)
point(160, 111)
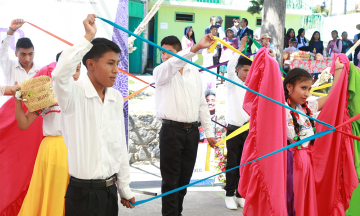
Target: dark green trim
point(184, 13)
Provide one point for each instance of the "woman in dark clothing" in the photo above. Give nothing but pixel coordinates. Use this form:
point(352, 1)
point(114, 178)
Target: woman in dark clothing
point(290, 34)
point(315, 44)
point(346, 44)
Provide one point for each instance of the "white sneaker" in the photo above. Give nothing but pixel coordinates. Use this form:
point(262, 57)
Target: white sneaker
point(230, 203)
point(240, 202)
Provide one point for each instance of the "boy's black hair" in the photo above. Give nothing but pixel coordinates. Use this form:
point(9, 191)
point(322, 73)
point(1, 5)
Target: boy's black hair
point(213, 26)
point(24, 43)
point(243, 61)
point(294, 76)
point(210, 92)
point(172, 41)
point(247, 22)
point(100, 47)
point(58, 56)
point(234, 20)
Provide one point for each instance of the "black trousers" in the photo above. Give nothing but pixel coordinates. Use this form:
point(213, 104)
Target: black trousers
point(234, 147)
point(96, 201)
point(178, 149)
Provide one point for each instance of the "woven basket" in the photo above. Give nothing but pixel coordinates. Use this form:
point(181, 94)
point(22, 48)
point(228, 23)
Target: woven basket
point(37, 93)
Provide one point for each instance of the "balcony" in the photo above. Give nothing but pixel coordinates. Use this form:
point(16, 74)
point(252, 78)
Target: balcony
point(292, 6)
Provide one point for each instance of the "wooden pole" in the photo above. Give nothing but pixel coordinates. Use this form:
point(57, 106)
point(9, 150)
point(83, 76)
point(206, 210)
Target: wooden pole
point(330, 8)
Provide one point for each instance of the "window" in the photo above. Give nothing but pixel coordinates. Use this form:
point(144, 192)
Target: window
point(229, 21)
point(258, 21)
point(184, 17)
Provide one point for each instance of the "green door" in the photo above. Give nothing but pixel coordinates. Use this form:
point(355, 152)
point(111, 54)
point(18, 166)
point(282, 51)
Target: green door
point(136, 13)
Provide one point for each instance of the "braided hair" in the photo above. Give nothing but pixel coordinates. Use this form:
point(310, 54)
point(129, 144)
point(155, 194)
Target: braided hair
point(294, 76)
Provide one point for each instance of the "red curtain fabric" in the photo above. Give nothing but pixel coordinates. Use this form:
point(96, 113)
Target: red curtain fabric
point(263, 183)
point(18, 150)
point(333, 154)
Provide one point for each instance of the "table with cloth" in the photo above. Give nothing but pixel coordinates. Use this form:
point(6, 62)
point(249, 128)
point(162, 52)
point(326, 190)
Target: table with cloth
point(311, 66)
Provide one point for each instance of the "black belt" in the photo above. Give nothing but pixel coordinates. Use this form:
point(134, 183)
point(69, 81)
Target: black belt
point(94, 182)
point(181, 124)
point(233, 127)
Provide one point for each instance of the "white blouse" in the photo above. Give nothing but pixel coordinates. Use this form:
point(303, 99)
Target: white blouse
point(51, 120)
point(2, 90)
point(306, 129)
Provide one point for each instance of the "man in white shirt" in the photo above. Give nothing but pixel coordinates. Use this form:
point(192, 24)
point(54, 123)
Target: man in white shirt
point(235, 118)
point(235, 27)
point(180, 101)
point(92, 124)
point(24, 67)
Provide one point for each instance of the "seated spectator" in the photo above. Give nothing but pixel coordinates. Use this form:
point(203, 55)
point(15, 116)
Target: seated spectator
point(302, 42)
point(316, 45)
point(346, 44)
point(292, 46)
point(335, 45)
point(289, 35)
point(212, 22)
point(227, 53)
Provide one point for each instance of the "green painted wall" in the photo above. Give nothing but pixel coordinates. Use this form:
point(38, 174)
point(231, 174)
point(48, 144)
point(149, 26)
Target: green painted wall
point(202, 21)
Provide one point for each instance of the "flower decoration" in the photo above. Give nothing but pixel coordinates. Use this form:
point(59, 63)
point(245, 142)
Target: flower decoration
point(18, 94)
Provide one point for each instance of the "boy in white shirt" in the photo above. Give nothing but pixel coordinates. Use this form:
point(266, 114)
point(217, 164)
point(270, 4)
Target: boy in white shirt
point(180, 101)
point(235, 118)
point(92, 124)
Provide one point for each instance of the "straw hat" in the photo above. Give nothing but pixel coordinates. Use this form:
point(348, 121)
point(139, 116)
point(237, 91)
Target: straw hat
point(265, 35)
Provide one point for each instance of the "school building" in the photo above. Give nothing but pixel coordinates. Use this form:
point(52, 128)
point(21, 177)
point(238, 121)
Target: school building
point(174, 15)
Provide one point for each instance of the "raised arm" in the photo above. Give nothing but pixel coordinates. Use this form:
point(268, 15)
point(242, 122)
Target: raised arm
point(63, 73)
point(5, 62)
point(23, 120)
point(338, 70)
point(167, 70)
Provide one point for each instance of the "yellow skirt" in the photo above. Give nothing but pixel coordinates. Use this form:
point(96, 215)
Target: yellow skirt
point(49, 180)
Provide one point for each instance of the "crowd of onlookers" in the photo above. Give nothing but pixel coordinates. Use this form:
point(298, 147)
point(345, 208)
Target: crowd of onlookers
point(292, 42)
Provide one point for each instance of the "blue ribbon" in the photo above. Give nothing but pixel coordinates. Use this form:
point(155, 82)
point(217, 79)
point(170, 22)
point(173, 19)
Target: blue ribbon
point(267, 155)
point(205, 69)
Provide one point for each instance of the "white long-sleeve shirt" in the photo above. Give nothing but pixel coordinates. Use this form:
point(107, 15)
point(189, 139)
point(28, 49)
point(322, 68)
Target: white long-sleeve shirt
point(235, 113)
point(12, 69)
point(181, 97)
point(94, 131)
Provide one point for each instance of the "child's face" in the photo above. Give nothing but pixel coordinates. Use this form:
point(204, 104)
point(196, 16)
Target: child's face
point(211, 101)
point(77, 73)
point(229, 34)
point(213, 31)
point(243, 72)
point(164, 55)
point(106, 69)
point(300, 93)
point(293, 44)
